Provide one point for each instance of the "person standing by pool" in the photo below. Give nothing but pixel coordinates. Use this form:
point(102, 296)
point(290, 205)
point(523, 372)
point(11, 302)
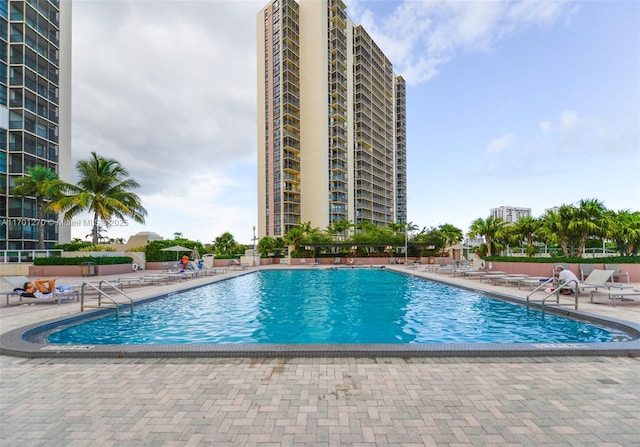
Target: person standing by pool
point(566, 277)
point(185, 262)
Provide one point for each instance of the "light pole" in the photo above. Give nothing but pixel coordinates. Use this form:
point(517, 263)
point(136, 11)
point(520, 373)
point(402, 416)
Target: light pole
point(254, 246)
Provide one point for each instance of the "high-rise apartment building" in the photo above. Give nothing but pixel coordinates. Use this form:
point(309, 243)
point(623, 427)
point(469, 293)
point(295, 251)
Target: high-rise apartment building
point(331, 121)
point(510, 213)
point(35, 111)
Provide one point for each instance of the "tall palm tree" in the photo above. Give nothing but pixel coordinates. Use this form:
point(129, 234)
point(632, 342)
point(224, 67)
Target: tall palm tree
point(104, 189)
point(43, 184)
point(492, 228)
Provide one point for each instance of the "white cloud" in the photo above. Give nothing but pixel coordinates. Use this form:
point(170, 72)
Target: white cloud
point(420, 36)
point(546, 126)
point(569, 120)
point(158, 87)
point(499, 144)
point(152, 92)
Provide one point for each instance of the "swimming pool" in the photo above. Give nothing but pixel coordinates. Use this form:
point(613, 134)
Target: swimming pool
point(331, 306)
point(31, 341)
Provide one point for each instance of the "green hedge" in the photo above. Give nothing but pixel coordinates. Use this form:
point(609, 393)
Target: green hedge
point(558, 260)
point(101, 260)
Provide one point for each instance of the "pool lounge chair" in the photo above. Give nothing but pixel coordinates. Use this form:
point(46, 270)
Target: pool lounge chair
point(505, 278)
point(237, 265)
point(156, 278)
point(617, 273)
point(614, 295)
point(598, 279)
point(477, 268)
point(61, 293)
point(585, 270)
point(201, 269)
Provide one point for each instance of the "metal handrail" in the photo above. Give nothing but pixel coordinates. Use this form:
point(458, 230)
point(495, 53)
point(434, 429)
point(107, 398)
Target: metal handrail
point(106, 295)
point(541, 286)
point(556, 292)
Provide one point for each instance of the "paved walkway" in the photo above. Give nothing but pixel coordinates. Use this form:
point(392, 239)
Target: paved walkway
point(555, 401)
point(321, 402)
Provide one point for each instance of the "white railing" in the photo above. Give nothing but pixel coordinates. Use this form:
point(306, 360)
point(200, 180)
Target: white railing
point(26, 256)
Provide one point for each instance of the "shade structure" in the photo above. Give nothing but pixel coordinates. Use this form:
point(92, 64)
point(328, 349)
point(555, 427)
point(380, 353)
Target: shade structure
point(178, 249)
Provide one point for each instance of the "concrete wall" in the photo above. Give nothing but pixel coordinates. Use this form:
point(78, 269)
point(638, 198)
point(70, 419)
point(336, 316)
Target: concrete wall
point(14, 269)
point(546, 270)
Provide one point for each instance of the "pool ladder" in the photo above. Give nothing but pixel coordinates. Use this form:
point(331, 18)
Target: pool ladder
point(104, 296)
point(555, 293)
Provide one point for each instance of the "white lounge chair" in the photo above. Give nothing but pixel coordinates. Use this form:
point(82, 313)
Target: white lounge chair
point(201, 269)
point(62, 292)
point(617, 273)
point(614, 295)
point(598, 279)
point(585, 270)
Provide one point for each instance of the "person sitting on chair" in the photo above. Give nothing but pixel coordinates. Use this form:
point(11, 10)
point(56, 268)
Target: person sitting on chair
point(39, 288)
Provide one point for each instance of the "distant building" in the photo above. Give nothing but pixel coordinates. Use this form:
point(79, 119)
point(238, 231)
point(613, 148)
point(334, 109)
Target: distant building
point(554, 209)
point(35, 112)
point(510, 213)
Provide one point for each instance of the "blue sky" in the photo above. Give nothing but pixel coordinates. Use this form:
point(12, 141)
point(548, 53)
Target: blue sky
point(528, 104)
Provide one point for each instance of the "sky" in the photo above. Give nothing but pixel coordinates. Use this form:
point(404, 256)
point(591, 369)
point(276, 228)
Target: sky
point(530, 104)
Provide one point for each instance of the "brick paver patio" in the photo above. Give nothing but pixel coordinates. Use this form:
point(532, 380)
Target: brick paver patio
point(321, 402)
point(537, 401)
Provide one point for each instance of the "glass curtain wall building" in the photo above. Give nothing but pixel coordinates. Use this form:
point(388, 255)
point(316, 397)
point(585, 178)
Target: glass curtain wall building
point(331, 121)
point(35, 111)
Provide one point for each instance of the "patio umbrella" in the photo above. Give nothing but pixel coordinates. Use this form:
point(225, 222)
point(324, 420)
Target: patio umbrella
point(195, 254)
point(177, 249)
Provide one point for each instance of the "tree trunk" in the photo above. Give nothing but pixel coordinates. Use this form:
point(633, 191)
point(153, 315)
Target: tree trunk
point(40, 222)
point(95, 229)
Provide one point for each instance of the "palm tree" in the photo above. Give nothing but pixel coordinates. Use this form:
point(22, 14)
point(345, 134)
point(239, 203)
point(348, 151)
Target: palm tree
point(555, 229)
point(43, 184)
point(103, 189)
point(524, 230)
point(624, 229)
point(294, 236)
point(589, 219)
point(225, 244)
point(451, 234)
point(339, 229)
point(492, 228)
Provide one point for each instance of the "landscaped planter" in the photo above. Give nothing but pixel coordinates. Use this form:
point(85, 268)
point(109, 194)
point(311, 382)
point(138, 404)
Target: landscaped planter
point(51, 271)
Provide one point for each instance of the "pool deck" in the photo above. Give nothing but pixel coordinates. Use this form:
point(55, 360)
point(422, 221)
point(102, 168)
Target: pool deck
point(310, 401)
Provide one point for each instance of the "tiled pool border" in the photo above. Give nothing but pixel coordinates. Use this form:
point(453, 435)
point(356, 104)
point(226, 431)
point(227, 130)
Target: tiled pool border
point(15, 343)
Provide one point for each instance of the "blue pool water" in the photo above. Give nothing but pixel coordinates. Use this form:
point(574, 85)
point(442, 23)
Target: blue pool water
point(330, 306)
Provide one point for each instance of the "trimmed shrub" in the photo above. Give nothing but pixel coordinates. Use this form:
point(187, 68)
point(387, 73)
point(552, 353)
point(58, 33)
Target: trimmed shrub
point(100, 260)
